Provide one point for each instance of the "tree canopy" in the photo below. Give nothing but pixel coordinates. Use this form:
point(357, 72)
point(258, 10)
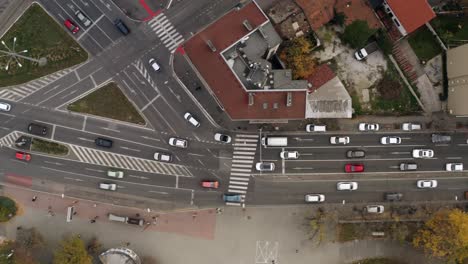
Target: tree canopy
point(445, 235)
point(297, 56)
point(72, 250)
point(357, 34)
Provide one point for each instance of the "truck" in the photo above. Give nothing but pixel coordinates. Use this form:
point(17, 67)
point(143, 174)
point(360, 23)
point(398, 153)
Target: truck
point(368, 49)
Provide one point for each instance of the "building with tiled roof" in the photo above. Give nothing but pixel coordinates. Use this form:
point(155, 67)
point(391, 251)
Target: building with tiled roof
point(318, 12)
point(408, 15)
point(457, 74)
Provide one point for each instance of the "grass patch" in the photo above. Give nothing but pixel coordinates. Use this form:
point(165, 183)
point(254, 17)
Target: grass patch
point(38, 33)
point(451, 29)
point(424, 44)
point(8, 208)
point(108, 101)
point(48, 147)
point(394, 230)
point(349, 232)
point(356, 104)
point(379, 261)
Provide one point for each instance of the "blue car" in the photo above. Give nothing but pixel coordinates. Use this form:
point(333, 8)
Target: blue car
point(232, 198)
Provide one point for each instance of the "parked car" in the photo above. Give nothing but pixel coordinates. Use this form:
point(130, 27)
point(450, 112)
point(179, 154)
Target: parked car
point(23, 156)
point(368, 127)
point(393, 196)
point(346, 186)
point(316, 128)
point(229, 197)
point(354, 154)
point(189, 117)
point(222, 138)
point(354, 168)
point(408, 166)
point(37, 129)
point(423, 153)
point(454, 167)
point(178, 142)
point(83, 18)
point(103, 142)
point(210, 184)
point(161, 156)
point(120, 25)
point(154, 65)
point(390, 140)
point(314, 198)
point(410, 126)
point(71, 26)
point(115, 173)
point(6, 107)
point(423, 184)
point(441, 138)
point(135, 221)
point(339, 140)
point(265, 166)
point(289, 154)
point(374, 209)
point(364, 52)
point(108, 186)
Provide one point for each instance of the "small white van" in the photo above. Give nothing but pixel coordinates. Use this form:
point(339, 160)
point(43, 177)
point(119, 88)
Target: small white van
point(275, 141)
point(117, 218)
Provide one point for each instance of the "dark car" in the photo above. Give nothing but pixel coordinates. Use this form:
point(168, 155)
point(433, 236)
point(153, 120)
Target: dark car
point(393, 196)
point(37, 129)
point(121, 26)
point(441, 138)
point(135, 221)
point(103, 142)
point(356, 153)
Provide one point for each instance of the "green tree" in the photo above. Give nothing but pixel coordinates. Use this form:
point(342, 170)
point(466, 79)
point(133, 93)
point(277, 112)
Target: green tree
point(445, 235)
point(7, 208)
point(357, 34)
point(72, 251)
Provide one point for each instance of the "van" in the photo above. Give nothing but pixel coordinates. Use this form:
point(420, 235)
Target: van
point(275, 141)
point(117, 218)
point(5, 107)
point(121, 26)
point(316, 128)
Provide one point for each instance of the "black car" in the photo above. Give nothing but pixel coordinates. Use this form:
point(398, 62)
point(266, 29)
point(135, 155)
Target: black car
point(135, 221)
point(103, 142)
point(37, 129)
point(356, 153)
point(391, 197)
point(121, 26)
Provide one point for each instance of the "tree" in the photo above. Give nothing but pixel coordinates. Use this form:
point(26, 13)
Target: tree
point(357, 34)
point(445, 235)
point(7, 208)
point(29, 238)
point(298, 58)
point(339, 18)
point(72, 251)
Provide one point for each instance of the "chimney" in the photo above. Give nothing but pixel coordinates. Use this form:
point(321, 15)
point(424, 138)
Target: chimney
point(210, 44)
point(247, 25)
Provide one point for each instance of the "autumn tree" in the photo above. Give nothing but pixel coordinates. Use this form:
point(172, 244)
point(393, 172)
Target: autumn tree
point(297, 56)
point(72, 251)
point(445, 235)
point(357, 34)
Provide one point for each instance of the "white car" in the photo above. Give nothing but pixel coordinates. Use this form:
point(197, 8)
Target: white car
point(410, 126)
point(390, 140)
point(189, 117)
point(160, 156)
point(108, 186)
point(178, 142)
point(154, 64)
point(339, 140)
point(347, 186)
point(423, 184)
point(368, 127)
point(222, 138)
point(454, 166)
point(289, 154)
point(83, 18)
point(423, 153)
point(316, 128)
point(375, 209)
point(115, 173)
point(265, 166)
point(314, 198)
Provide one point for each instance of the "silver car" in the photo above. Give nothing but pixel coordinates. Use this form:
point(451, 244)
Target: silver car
point(314, 198)
point(339, 140)
point(265, 166)
point(160, 156)
point(390, 140)
point(346, 186)
point(374, 209)
point(426, 184)
point(108, 186)
point(83, 18)
point(178, 142)
point(115, 173)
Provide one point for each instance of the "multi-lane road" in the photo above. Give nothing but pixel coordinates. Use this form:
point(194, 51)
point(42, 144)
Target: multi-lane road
point(162, 101)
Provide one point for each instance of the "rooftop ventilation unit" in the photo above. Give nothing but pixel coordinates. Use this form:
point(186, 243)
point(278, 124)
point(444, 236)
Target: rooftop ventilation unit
point(210, 44)
point(247, 25)
point(289, 99)
point(251, 99)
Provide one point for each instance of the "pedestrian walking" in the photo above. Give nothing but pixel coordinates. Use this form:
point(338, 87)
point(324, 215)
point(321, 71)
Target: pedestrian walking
point(75, 213)
point(93, 221)
point(34, 198)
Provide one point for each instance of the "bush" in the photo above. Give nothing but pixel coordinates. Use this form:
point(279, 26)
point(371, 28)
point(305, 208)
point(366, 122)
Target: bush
point(384, 42)
point(357, 34)
point(49, 147)
point(7, 208)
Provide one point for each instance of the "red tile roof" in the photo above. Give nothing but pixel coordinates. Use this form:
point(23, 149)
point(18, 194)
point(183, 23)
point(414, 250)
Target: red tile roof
point(318, 12)
point(221, 80)
point(321, 75)
point(412, 14)
point(357, 10)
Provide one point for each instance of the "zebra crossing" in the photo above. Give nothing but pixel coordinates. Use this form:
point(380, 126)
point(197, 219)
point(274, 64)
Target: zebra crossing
point(140, 66)
point(9, 140)
point(109, 159)
point(243, 156)
point(18, 92)
point(166, 32)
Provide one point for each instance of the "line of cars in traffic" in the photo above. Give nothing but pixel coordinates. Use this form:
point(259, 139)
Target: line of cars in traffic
point(86, 22)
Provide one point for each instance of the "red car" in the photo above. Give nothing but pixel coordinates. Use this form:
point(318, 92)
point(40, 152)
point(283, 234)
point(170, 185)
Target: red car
point(354, 167)
point(23, 156)
point(210, 184)
point(71, 26)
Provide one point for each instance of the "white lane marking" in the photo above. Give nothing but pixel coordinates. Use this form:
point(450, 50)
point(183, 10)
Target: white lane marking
point(150, 138)
point(453, 158)
point(132, 149)
point(194, 154)
point(165, 193)
point(94, 170)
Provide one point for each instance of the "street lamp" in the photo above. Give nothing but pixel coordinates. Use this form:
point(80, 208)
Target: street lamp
point(14, 55)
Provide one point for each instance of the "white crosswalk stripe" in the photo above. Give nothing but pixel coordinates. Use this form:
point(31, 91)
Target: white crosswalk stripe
point(164, 29)
point(17, 92)
point(9, 140)
point(243, 156)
